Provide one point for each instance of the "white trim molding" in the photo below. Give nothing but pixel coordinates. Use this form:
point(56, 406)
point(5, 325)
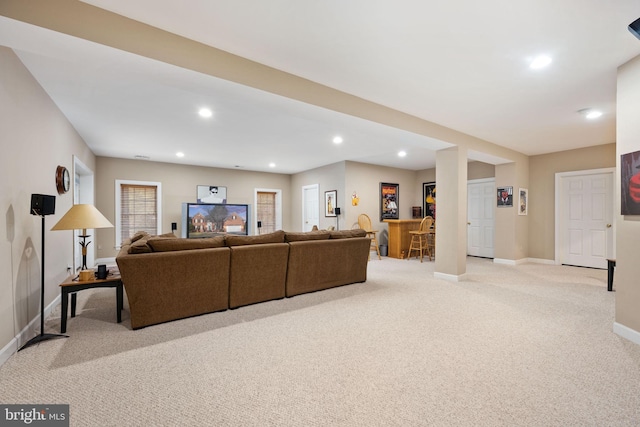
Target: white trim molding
point(27, 332)
point(450, 277)
point(626, 332)
point(118, 227)
point(542, 261)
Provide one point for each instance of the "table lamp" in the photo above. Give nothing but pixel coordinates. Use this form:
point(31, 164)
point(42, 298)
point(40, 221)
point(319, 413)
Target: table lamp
point(82, 217)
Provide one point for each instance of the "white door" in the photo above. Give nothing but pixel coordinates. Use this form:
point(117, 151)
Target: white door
point(310, 207)
point(480, 217)
point(587, 219)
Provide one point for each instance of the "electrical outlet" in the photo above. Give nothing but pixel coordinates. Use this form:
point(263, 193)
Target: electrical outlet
point(69, 268)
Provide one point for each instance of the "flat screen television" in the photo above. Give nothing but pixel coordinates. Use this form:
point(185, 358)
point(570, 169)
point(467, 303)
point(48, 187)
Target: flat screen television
point(201, 220)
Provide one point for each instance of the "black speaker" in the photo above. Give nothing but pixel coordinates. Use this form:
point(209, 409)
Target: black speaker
point(41, 204)
point(102, 272)
point(337, 210)
point(174, 226)
point(634, 27)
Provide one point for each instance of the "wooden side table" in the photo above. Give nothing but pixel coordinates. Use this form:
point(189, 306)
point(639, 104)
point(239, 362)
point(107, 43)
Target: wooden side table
point(72, 285)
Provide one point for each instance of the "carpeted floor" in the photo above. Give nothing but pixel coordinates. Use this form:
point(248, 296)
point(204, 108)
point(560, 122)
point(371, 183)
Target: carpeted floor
point(530, 345)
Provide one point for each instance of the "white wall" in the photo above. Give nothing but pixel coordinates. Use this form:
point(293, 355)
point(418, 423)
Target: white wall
point(36, 138)
point(627, 284)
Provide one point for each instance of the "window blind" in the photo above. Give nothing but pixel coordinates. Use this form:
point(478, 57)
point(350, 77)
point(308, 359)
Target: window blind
point(138, 209)
point(267, 211)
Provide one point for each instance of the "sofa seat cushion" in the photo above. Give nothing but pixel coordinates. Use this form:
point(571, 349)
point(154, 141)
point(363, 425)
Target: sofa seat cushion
point(291, 236)
point(275, 237)
point(160, 244)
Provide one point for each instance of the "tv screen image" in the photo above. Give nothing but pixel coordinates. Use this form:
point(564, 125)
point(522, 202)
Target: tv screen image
point(212, 219)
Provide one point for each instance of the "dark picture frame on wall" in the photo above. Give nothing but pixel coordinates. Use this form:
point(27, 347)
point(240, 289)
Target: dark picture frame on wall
point(630, 183)
point(429, 199)
point(389, 201)
point(330, 200)
point(505, 197)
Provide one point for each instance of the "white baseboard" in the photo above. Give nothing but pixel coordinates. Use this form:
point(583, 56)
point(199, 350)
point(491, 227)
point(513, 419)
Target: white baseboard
point(27, 332)
point(504, 261)
point(626, 332)
point(450, 277)
point(541, 261)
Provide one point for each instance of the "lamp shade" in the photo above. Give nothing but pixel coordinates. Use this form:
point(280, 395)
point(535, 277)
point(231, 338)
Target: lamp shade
point(82, 216)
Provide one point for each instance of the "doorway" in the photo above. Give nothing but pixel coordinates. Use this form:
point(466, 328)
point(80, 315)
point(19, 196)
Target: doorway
point(82, 193)
point(585, 231)
point(480, 217)
point(310, 206)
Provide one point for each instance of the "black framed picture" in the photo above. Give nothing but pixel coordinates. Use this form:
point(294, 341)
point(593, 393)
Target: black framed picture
point(630, 183)
point(389, 201)
point(429, 199)
point(505, 197)
point(330, 198)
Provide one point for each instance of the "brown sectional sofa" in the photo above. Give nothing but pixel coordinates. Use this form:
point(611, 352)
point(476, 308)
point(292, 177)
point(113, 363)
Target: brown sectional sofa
point(168, 278)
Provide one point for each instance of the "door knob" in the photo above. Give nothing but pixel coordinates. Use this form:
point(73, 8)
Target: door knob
point(608, 225)
point(468, 223)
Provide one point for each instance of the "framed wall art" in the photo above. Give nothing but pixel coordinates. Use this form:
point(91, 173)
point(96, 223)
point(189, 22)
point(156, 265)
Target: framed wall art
point(211, 194)
point(630, 183)
point(389, 201)
point(330, 198)
point(505, 197)
point(429, 199)
point(523, 201)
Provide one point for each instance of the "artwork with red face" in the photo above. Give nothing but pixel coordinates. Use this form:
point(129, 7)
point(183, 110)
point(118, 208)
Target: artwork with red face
point(505, 197)
point(630, 183)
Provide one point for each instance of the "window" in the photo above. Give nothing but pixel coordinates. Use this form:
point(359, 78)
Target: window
point(138, 208)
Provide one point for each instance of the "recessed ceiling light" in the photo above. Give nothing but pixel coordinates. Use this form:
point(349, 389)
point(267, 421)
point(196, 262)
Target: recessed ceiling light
point(402, 153)
point(590, 113)
point(272, 165)
point(540, 62)
point(205, 113)
point(180, 154)
point(337, 140)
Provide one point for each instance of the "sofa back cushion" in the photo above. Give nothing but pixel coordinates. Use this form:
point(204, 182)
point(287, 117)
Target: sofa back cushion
point(159, 244)
point(141, 245)
point(275, 237)
point(346, 234)
point(291, 236)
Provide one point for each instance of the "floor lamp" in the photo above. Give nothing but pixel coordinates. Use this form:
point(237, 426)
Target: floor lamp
point(42, 205)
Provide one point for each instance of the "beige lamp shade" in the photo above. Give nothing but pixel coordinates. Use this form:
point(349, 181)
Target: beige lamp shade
point(82, 216)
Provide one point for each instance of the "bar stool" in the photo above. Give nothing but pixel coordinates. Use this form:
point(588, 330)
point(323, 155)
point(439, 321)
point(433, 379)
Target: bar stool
point(420, 238)
point(364, 222)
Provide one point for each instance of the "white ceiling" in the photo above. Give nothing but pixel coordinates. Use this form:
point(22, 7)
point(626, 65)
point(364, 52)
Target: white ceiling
point(462, 64)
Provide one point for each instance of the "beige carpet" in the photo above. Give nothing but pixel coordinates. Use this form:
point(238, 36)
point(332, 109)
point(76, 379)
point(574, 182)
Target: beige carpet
point(530, 345)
